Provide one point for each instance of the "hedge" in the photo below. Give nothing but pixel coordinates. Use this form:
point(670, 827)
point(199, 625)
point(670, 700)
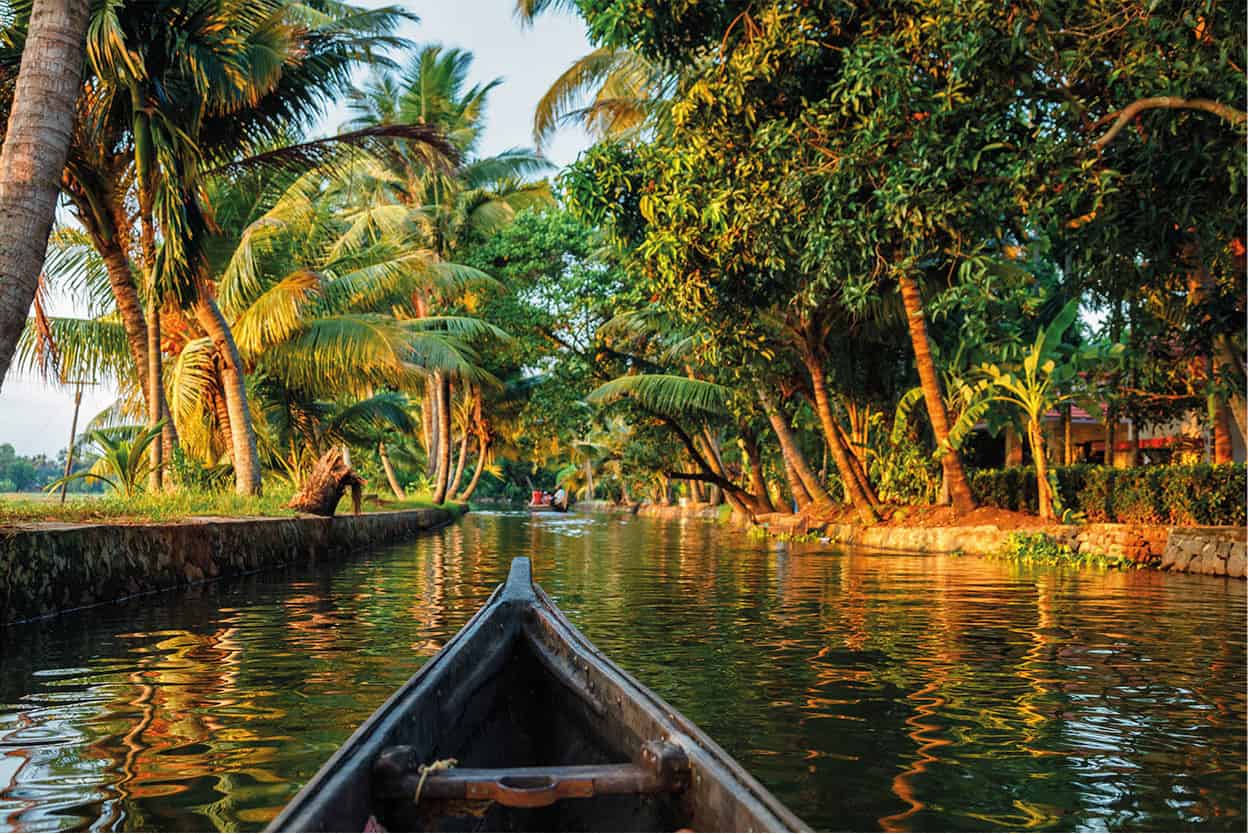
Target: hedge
point(1203, 494)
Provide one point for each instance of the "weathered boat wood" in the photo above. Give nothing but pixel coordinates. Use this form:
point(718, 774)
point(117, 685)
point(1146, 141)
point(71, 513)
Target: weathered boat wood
point(545, 733)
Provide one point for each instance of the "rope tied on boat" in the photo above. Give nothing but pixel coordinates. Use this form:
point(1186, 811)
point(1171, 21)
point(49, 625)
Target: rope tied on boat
point(426, 769)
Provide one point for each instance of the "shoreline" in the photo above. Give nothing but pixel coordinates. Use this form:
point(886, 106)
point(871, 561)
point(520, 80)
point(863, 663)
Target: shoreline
point(1209, 551)
point(51, 568)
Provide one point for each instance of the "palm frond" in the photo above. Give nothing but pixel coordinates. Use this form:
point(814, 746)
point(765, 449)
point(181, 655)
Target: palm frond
point(665, 393)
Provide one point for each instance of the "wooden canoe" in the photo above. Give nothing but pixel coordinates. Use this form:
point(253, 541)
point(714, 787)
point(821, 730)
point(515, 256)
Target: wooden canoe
point(547, 508)
point(547, 734)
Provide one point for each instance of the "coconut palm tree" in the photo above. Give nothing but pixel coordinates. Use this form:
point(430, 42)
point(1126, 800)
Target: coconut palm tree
point(449, 207)
point(322, 293)
point(36, 140)
point(613, 93)
point(211, 85)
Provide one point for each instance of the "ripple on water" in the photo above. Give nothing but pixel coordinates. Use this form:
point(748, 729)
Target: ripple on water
point(868, 691)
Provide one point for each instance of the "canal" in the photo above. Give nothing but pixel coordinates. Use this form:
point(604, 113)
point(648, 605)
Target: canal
point(868, 692)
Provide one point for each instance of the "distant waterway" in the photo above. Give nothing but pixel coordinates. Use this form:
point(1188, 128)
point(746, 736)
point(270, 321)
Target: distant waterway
point(867, 692)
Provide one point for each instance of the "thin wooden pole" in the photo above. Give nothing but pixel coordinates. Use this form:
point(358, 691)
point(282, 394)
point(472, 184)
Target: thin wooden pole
point(73, 432)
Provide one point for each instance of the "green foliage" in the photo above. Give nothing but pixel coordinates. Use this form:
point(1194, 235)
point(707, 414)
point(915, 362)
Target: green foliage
point(664, 393)
point(1203, 494)
point(905, 473)
point(1040, 549)
point(195, 476)
point(123, 461)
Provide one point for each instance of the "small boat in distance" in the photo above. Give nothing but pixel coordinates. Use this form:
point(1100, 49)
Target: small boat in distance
point(520, 724)
point(547, 508)
point(544, 502)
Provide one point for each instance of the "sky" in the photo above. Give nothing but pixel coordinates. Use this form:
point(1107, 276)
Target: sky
point(35, 417)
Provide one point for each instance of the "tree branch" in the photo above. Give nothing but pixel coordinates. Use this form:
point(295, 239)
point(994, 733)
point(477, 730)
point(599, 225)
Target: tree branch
point(1125, 115)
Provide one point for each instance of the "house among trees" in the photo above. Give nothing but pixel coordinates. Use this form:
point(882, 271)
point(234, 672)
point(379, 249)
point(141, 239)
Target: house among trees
point(1187, 439)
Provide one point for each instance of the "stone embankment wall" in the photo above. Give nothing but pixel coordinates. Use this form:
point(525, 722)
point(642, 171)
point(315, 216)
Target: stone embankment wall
point(605, 507)
point(690, 510)
point(1214, 551)
point(49, 568)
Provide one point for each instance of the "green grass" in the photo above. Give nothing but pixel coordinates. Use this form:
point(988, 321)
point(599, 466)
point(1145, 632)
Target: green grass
point(16, 508)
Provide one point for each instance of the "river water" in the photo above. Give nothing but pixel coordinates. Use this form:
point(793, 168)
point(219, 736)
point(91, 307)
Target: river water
point(868, 692)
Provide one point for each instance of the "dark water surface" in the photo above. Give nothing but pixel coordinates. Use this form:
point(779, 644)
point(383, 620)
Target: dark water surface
point(868, 692)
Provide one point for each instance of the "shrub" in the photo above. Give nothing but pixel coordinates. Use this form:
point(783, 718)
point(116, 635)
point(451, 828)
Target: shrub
point(1186, 495)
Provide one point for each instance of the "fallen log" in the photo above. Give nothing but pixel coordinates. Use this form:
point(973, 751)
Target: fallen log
point(323, 488)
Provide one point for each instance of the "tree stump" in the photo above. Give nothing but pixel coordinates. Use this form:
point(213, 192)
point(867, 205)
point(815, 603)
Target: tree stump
point(323, 488)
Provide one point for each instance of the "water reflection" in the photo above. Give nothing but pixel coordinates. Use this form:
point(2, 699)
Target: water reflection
point(870, 692)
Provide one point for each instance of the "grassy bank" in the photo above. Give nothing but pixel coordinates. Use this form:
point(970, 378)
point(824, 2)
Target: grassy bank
point(18, 508)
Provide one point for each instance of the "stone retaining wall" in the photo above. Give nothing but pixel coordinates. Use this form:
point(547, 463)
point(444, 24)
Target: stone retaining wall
point(690, 510)
point(1207, 550)
point(48, 568)
point(603, 507)
point(1214, 551)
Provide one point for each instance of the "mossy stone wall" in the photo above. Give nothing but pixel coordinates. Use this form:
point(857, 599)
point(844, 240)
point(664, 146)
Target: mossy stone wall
point(48, 568)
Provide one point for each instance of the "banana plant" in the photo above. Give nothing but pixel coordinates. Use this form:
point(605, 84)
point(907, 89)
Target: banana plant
point(1049, 375)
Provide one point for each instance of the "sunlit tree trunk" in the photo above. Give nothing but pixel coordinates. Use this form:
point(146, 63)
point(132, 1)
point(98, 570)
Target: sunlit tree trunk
point(758, 482)
point(242, 430)
point(388, 468)
point(459, 464)
point(801, 498)
point(155, 382)
point(484, 448)
point(1068, 453)
point(1223, 451)
point(429, 427)
point(811, 486)
point(856, 465)
point(832, 434)
point(442, 386)
point(40, 126)
point(1035, 438)
point(933, 396)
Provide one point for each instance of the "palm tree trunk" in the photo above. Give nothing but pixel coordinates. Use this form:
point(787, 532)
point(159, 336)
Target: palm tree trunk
point(933, 396)
point(801, 498)
point(129, 306)
point(699, 494)
point(459, 466)
point(242, 431)
point(589, 479)
point(1111, 434)
point(442, 386)
point(36, 141)
point(393, 480)
point(856, 465)
point(758, 483)
point(476, 475)
point(810, 483)
point(155, 382)
point(429, 422)
point(1068, 454)
point(832, 435)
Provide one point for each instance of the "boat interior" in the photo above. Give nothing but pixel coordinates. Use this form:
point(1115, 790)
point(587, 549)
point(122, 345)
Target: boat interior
point(534, 749)
point(520, 724)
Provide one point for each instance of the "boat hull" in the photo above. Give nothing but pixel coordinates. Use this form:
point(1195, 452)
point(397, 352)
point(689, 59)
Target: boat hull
point(519, 687)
